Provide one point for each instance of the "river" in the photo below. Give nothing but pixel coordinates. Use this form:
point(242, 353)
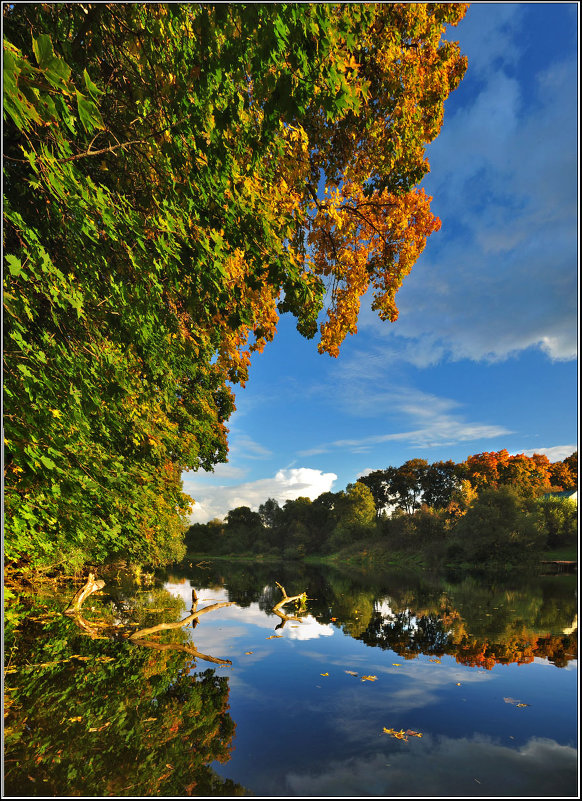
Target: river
point(400, 684)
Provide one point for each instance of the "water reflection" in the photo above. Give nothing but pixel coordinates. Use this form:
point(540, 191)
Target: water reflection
point(463, 767)
point(93, 715)
point(479, 623)
point(483, 670)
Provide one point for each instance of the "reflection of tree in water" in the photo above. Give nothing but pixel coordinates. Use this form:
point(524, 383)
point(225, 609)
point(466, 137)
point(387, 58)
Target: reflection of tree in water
point(478, 620)
point(98, 717)
point(408, 635)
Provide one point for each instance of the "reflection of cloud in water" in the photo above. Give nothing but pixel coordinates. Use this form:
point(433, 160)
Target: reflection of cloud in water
point(308, 629)
point(184, 591)
point(385, 609)
point(445, 767)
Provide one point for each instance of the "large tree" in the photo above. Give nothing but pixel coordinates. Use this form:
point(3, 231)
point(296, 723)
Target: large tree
point(175, 176)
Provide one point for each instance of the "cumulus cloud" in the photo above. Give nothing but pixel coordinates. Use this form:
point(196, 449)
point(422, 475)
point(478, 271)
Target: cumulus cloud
point(285, 485)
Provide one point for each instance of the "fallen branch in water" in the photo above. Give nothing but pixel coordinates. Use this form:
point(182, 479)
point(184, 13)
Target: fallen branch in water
point(188, 649)
point(285, 600)
point(90, 587)
point(99, 629)
point(165, 626)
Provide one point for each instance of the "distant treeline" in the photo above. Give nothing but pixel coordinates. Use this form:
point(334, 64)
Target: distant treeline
point(492, 507)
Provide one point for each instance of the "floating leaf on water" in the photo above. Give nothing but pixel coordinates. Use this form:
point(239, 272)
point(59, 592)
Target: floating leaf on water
point(458, 684)
point(351, 672)
point(248, 652)
point(324, 674)
point(399, 735)
point(275, 637)
point(369, 678)
point(437, 661)
point(396, 664)
point(402, 735)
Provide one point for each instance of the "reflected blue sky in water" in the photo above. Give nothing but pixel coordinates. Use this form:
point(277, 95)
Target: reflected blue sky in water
point(302, 733)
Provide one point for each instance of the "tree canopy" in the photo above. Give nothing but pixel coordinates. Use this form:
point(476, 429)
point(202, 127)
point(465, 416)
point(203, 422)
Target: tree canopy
point(176, 176)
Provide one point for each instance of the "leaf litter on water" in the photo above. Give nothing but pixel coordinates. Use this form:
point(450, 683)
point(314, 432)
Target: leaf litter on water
point(402, 734)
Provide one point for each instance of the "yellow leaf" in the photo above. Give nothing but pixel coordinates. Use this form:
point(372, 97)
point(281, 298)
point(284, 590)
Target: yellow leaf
point(369, 678)
point(399, 735)
point(75, 720)
point(324, 674)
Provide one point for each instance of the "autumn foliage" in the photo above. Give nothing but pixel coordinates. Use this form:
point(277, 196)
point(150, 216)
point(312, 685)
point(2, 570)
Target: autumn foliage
point(177, 176)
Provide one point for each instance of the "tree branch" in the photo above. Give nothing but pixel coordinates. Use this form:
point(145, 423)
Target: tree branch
point(100, 152)
point(166, 626)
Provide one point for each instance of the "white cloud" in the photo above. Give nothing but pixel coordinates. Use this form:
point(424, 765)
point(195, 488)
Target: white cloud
point(307, 628)
point(287, 484)
point(245, 446)
point(310, 629)
point(437, 420)
point(556, 453)
point(501, 275)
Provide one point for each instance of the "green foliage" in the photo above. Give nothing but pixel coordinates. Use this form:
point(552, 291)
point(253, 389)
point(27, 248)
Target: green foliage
point(101, 716)
point(159, 169)
point(558, 521)
point(499, 526)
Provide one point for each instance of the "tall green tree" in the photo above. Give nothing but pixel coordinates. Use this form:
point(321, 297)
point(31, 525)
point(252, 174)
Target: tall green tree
point(162, 166)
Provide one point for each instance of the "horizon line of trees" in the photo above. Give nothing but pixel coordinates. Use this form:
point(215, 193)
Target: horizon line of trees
point(493, 506)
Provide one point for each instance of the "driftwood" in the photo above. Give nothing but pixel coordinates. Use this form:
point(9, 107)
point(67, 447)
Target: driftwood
point(90, 587)
point(166, 626)
point(100, 629)
point(277, 609)
point(187, 649)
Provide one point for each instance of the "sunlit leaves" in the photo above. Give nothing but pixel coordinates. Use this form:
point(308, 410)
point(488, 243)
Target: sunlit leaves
point(177, 176)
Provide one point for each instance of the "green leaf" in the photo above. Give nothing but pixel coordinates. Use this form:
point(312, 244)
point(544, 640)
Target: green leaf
point(57, 71)
point(43, 50)
point(48, 463)
point(14, 265)
point(93, 90)
point(88, 113)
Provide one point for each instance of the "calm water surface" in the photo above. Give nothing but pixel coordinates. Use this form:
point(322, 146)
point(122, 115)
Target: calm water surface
point(397, 684)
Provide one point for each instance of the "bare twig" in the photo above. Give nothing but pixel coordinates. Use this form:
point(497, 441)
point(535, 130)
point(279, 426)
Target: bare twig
point(100, 152)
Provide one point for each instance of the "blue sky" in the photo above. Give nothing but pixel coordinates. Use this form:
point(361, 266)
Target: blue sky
point(484, 353)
